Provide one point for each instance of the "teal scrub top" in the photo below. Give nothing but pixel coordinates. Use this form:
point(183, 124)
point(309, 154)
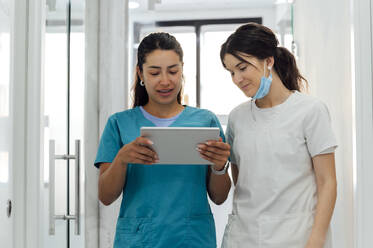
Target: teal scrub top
point(163, 206)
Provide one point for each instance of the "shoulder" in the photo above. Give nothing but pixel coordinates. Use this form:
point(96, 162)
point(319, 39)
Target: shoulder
point(310, 109)
point(200, 112)
point(125, 115)
point(200, 117)
point(239, 110)
point(309, 103)
point(123, 119)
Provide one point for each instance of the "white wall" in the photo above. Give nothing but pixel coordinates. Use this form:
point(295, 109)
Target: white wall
point(363, 75)
point(322, 32)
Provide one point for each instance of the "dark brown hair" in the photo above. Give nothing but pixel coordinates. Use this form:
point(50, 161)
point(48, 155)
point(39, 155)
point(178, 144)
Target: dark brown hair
point(259, 41)
point(153, 41)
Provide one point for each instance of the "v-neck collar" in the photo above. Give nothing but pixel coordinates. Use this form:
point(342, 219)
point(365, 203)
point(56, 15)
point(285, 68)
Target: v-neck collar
point(151, 124)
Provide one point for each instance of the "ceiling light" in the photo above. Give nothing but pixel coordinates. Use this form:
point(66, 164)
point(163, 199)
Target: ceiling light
point(283, 1)
point(133, 5)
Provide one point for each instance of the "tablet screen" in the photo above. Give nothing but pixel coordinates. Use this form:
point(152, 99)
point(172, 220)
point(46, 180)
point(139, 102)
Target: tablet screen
point(177, 145)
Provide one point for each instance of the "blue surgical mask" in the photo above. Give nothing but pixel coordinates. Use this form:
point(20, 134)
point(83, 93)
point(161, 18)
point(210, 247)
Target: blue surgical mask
point(265, 85)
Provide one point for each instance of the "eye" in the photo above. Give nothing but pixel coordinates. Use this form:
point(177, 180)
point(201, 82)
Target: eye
point(173, 72)
point(154, 73)
point(243, 68)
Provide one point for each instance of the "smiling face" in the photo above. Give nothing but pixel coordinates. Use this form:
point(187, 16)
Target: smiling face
point(246, 74)
point(162, 74)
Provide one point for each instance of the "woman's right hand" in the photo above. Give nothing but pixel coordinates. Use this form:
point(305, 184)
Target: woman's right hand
point(138, 152)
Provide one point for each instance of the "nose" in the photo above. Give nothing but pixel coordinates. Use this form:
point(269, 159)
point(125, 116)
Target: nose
point(237, 78)
point(164, 79)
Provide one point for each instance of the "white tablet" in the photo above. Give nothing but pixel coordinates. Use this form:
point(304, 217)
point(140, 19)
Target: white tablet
point(177, 145)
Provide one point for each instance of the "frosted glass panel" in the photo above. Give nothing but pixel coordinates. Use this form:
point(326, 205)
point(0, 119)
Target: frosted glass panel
point(218, 93)
point(55, 114)
point(6, 18)
point(188, 43)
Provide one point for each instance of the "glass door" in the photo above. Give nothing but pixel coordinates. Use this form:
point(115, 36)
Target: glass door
point(5, 123)
point(63, 194)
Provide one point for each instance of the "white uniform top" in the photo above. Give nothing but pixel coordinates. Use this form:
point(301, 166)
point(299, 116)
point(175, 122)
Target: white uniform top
point(275, 196)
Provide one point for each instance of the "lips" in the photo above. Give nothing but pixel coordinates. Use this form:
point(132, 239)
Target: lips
point(165, 92)
point(244, 87)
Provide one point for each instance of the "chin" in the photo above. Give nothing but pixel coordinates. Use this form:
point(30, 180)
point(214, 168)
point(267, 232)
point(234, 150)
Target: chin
point(168, 101)
point(248, 94)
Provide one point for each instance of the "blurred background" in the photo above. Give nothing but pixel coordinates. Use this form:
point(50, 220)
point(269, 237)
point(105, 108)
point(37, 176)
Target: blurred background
point(66, 65)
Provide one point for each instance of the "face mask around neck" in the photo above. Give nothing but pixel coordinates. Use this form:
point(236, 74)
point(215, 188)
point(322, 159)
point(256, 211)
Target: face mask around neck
point(265, 84)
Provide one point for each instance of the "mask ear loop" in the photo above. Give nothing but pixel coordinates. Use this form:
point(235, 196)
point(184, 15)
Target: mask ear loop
point(252, 100)
point(268, 67)
point(264, 69)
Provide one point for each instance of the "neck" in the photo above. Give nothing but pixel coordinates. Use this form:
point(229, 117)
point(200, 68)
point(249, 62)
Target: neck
point(278, 94)
point(163, 110)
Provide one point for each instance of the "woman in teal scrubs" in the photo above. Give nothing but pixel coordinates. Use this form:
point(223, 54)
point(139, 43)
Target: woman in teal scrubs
point(163, 205)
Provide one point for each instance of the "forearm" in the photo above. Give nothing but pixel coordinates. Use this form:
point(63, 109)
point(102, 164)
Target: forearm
point(111, 182)
point(326, 197)
point(218, 187)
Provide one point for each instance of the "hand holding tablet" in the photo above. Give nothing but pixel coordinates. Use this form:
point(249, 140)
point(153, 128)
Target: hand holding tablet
point(178, 145)
point(138, 152)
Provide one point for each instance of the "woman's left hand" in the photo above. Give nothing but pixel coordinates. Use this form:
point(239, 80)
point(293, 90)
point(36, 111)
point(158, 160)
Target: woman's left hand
point(216, 152)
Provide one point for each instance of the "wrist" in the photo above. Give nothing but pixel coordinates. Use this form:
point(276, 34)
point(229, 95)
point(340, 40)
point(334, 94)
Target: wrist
point(221, 170)
point(315, 242)
point(121, 159)
point(218, 167)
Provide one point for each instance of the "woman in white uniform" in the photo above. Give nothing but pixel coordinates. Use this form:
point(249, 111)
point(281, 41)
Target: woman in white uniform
point(282, 149)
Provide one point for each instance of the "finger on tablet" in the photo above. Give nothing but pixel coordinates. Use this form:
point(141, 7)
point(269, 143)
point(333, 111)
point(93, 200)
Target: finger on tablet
point(147, 151)
point(212, 160)
point(218, 144)
point(144, 141)
point(214, 156)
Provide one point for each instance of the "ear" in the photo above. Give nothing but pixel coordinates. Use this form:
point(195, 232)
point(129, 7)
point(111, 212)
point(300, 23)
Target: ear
point(270, 62)
point(139, 73)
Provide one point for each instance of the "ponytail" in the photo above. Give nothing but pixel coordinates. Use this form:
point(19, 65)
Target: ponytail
point(286, 68)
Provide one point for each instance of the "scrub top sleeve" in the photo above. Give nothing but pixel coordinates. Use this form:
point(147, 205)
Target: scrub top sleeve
point(230, 136)
point(216, 123)
point(318, 131)
point(110, 143)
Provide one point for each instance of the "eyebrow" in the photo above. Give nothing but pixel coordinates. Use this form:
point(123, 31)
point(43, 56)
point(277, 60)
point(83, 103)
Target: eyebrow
point(240, 64)
point(158, 67)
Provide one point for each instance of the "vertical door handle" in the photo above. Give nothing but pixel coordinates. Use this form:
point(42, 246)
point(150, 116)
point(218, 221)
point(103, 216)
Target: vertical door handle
point(77, 187)
point(52, 216)
point(52, 226)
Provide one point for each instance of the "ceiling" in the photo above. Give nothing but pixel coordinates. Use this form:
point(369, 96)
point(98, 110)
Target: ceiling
point(169, 5)
point(57, 8)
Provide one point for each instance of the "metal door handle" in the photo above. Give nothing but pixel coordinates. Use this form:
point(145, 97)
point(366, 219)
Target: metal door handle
point(77, 187)
point(51, 188)
point(8, 208)
point(52, 216)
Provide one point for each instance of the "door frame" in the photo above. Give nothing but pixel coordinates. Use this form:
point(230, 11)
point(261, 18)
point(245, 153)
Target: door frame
point(34, 122)
point(27, 81)
point(362, 40)
point(19, 70)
